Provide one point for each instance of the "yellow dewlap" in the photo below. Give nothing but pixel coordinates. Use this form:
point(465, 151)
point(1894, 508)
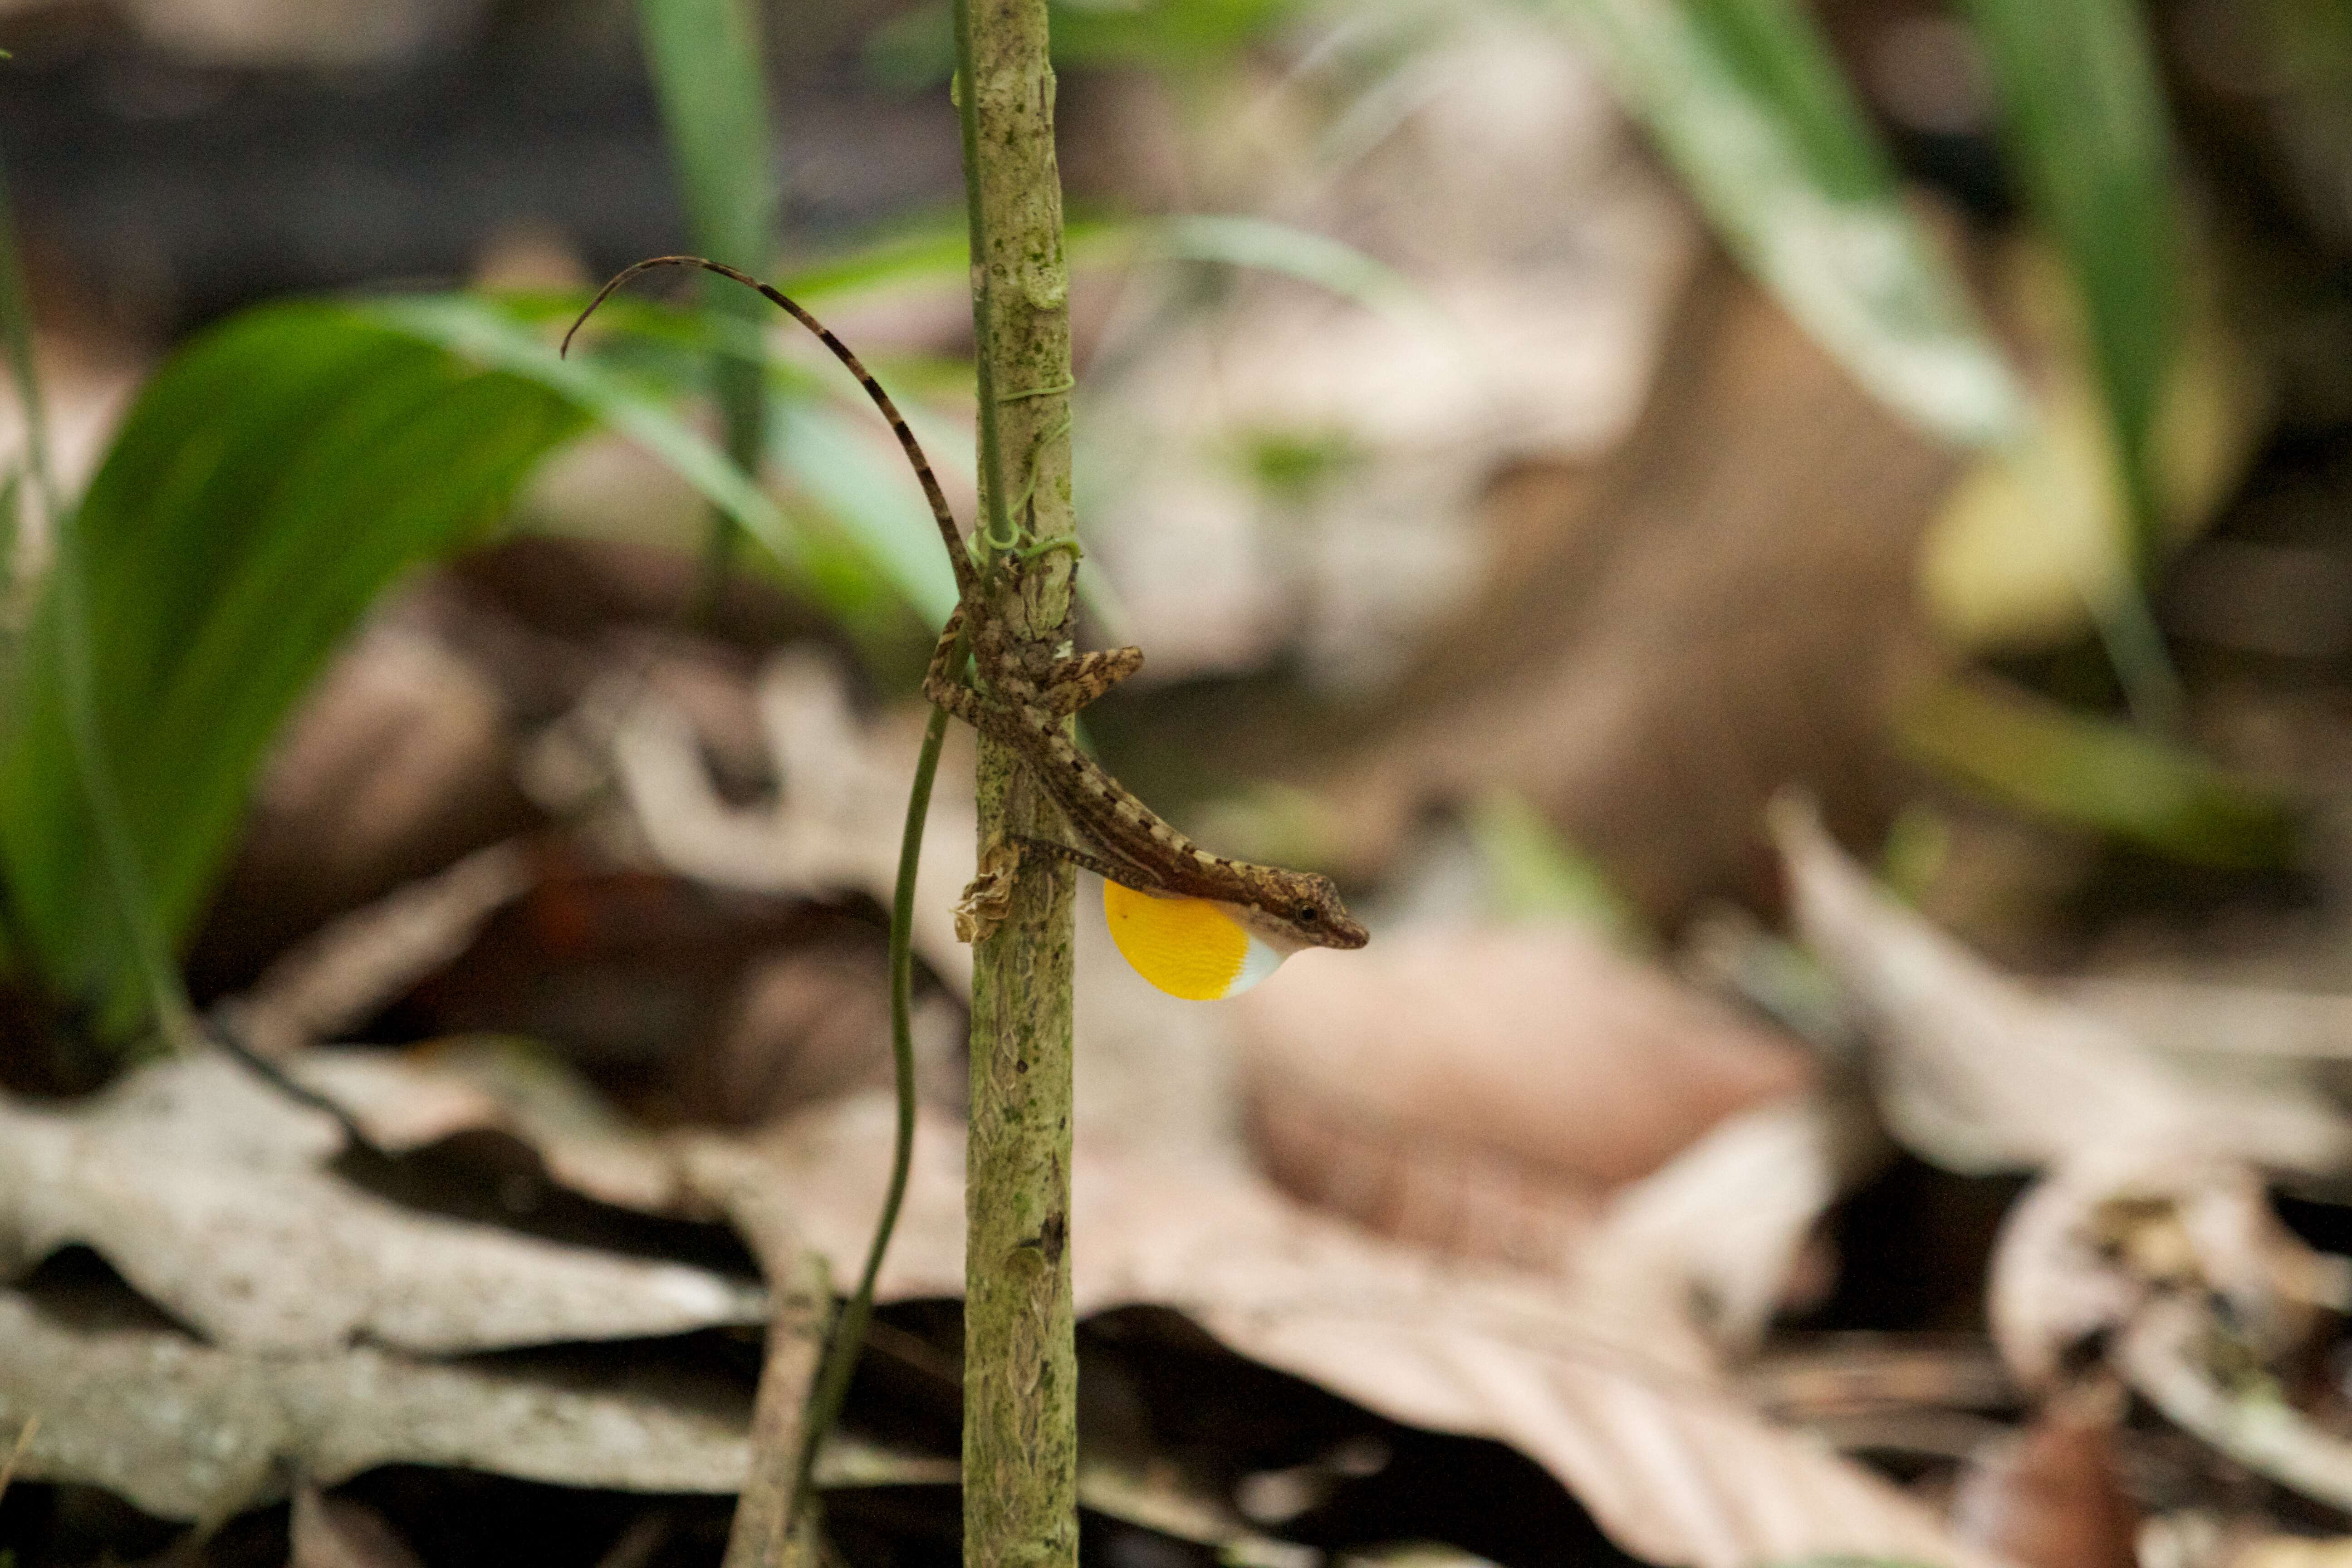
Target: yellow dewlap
point(1188, 947)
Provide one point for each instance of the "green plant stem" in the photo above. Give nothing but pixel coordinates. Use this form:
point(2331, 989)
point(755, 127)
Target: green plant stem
point(167, 997)
point(848, 1339)
point(1020, 1433)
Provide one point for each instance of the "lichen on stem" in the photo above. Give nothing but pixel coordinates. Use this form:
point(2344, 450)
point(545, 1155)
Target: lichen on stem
point(1020, 1443)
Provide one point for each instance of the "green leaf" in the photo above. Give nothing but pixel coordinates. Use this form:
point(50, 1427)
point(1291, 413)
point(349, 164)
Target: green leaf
point(1282, 248)
point(2083, 120)
point(273, 477)
point(1746, 101)
point(481, 329)
point(710, 78)
point(2082, 772)
point(870, 492)
point(711, 83)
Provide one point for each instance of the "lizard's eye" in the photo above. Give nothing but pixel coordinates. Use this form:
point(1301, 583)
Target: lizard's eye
point(1306, 914)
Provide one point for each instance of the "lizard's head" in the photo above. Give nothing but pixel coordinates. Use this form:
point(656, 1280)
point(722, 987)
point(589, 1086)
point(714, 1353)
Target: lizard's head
point(1302, 909)
point(1203, 949)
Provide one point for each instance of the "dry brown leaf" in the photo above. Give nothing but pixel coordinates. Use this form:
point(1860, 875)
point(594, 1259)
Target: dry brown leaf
point(840, 810)
point(1481, 1092)
point(1713, 1240)
point(1977, 1072)
point(336, 1532)
point(1718, 606)
point(408, 1100)
point(1673, 1466)
point(341, 975)
point(206, 1189)
point(1671, 1462)
point(2052, 1496)
point(187, 1431)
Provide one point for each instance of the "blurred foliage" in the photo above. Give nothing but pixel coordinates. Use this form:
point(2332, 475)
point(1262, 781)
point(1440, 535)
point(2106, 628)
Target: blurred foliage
point(2095, 478)
point(707, 67)
point(281, 469)
point(2082, 771)
point(274, 476)
point(1533, 873)
point(2088, 145)
point(1746, 101)
point(917, 49)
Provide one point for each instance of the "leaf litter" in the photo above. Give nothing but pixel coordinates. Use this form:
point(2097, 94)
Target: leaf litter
point(2147, 1246)
point(210, 1192)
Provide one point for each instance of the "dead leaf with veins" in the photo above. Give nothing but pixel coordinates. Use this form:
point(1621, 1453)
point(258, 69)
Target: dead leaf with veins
point(186, 1430)
point(208, 1190)
point(1634, 1420)
point(1977, 1072)
point(1669, 1456)
point(1486, 1092)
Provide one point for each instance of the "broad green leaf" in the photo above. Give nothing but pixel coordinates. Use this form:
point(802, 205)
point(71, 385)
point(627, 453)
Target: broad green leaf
point(123, 888)
point(844, 572)
point(2082, 771)
point(273, 477)
point(1747, 103)
point(2083, 120)
point(481, 330)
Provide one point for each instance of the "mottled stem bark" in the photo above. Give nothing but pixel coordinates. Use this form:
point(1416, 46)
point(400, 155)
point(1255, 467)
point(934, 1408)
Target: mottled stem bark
point(1020, 1435)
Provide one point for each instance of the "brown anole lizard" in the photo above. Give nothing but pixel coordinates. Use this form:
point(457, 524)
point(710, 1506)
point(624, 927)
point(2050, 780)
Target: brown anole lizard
point(1028, 694)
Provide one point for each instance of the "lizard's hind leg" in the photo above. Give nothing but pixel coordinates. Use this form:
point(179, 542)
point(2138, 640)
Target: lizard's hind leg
point(1075, 682)
point(1109, 871)
point(944, 682)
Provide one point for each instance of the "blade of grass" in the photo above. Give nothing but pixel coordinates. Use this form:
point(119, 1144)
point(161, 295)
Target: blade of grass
point(2065, 767)
point(165, 997)
point(710, 78)
point(1744, 99)
point(1270, 247)
point(830, 454)
point(2084, 122)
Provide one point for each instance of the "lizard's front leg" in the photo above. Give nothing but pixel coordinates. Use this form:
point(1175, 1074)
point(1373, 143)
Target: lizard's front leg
point(943, 681)
point(1073, 683)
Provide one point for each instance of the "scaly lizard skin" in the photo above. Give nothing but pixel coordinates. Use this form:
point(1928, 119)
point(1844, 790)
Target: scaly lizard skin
point(1128, 842)
point(1136, 847)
